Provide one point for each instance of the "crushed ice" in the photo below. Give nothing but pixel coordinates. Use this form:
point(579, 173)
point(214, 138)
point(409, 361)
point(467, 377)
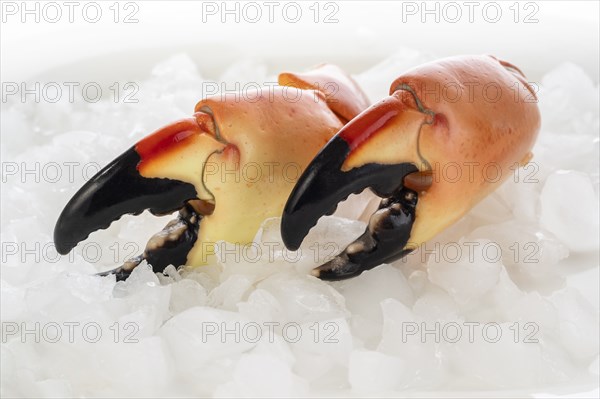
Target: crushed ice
point(259, 325)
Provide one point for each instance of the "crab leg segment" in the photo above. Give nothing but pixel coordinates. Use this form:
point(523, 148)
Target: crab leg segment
point(342, 94)
point(384, 239)
point(170, 246)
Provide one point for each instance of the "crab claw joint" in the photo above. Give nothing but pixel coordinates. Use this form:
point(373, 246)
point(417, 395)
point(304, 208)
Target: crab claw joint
point(400, 149)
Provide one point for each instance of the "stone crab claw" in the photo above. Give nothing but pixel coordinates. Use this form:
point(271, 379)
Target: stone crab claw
point(476, 115)
point(226, 169)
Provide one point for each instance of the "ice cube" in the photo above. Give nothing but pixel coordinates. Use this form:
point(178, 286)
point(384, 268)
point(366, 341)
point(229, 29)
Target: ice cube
point(466, 270)
point(258, 375)
point(372, 371)
point(569, 209)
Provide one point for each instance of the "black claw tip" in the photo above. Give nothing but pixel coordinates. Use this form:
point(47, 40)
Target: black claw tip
point(116, 190)
point(324, 184)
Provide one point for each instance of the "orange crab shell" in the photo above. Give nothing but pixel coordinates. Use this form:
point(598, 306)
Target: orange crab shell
point(465, 122)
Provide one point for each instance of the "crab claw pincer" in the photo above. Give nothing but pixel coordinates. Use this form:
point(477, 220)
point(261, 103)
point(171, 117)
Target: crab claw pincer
point(473, 115)
point(137, 181)
point(226, 169)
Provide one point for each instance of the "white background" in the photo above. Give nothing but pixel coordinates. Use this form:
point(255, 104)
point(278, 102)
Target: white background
point(366, 32)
